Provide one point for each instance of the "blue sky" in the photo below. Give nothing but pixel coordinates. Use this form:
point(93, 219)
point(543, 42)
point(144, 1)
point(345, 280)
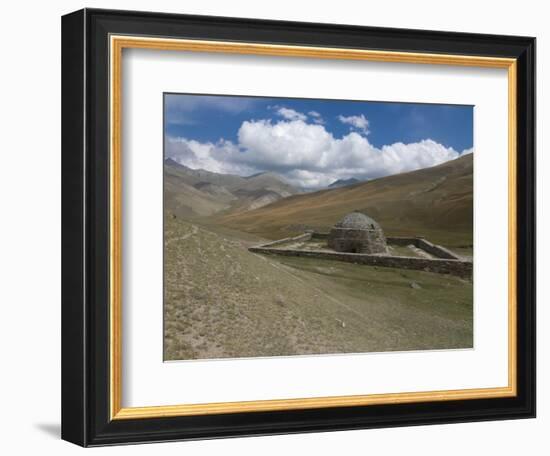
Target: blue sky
point(313, 142)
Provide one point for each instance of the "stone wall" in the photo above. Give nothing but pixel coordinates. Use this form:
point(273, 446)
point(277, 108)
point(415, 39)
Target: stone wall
point(401, 241)
point(301, 237)
point(371, 241)
point(317, 235)
point(459, 268)
point(436, 250)
point(421, 243)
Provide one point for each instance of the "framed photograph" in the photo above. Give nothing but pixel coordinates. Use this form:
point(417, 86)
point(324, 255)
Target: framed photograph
point(278, 227)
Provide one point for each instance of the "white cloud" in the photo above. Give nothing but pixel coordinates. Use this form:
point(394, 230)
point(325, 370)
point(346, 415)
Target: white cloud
point(218, 157)
point(290, 114)
point(468, 151)
point(316, 117)
point(361, 123)
point(306, 154)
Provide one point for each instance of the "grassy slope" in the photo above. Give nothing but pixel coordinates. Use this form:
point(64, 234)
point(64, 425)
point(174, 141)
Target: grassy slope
point(223, 301)
point(434, 202)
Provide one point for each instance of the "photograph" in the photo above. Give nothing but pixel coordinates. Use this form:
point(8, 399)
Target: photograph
point(287, 224)
point(298, 226)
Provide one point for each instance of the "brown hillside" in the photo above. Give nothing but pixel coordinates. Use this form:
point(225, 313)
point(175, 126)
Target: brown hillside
point(433, 202)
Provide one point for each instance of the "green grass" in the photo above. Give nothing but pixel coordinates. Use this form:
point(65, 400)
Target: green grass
point(223, 301)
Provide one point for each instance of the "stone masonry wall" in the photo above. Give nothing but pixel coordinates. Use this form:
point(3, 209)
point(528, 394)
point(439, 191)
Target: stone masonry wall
point(401, 241)
point(357, 241)
point(459, 268)
point(301, 237)
point(317, 235)
point(437, 250)
point(421, 243)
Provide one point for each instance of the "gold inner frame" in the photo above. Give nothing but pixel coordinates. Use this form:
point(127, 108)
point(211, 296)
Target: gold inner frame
point(117, 44)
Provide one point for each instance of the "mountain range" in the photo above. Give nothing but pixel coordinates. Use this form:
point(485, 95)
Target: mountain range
point(344, 182)
point(197, 192)
point(435, 202)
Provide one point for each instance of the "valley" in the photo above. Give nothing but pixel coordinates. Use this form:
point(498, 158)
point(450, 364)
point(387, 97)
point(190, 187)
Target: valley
point(223, 301)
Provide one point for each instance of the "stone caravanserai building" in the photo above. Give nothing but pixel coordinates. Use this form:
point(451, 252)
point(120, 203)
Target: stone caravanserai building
point(357, 233)
point(359, 239)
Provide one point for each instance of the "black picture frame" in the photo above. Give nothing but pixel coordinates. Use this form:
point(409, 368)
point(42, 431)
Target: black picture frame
point(85, 228)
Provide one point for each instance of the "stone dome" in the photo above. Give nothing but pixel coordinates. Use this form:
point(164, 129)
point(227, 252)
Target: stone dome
point(357, 233)
point(357, 221)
